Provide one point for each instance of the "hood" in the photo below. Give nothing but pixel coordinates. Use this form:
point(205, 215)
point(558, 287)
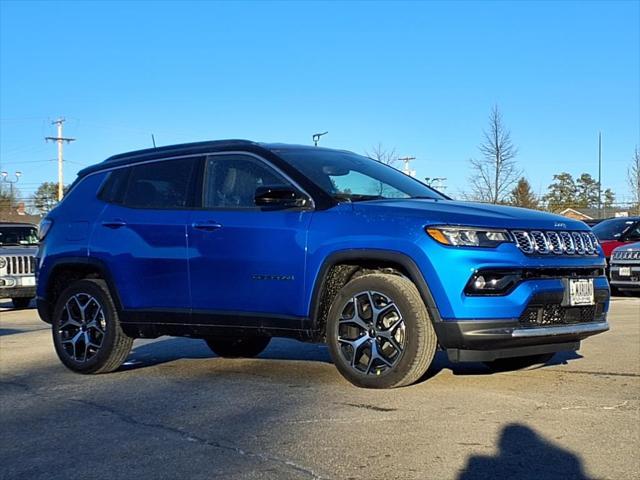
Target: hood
point(474, 214)
point(630, 247)
point(17, 250)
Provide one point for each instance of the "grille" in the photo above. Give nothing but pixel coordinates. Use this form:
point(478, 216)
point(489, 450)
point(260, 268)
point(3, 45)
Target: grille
point(558, 243)
point(558, 315)
point(626, 255)
point(21, 265)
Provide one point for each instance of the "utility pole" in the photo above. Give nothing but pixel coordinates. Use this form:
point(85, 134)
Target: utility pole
point(60, 139)
point(406, 168)
point(599, 175)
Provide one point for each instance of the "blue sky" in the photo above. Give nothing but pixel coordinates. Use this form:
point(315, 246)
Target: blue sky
point(419, 76)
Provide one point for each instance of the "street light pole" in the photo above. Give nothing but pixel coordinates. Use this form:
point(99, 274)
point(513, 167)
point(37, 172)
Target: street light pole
point(5, 178)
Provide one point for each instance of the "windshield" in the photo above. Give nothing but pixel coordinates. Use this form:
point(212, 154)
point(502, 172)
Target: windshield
point(18, 236)
point(348, 176)
point(612, 229)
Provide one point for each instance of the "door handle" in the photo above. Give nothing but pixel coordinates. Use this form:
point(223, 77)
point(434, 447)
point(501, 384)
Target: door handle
point(116, 223)
point(207, 226)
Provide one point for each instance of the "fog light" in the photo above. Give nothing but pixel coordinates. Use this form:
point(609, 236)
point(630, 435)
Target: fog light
point(492, 282)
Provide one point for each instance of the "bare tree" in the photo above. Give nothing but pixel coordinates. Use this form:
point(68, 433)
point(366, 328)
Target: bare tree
point(633, 178)
point(381, 154)
point(495, 174)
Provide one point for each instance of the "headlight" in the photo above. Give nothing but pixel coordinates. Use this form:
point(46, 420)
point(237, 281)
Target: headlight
point(3, 262)
point(468, 236)
point(45, 226)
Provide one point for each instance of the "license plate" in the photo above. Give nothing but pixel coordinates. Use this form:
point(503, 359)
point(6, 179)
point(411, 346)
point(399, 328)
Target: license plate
point(28, 281)
point(581, 291)
point(624, 271)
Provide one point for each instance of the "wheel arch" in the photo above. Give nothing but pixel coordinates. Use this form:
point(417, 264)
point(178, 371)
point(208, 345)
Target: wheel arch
point(340, 267)
point(65, 270)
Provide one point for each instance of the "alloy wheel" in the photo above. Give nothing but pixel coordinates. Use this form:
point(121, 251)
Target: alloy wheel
point(82, 327)
point(371, 333)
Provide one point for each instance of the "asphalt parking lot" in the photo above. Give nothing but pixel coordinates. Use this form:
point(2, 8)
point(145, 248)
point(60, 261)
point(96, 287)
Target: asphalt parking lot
point(176, 411)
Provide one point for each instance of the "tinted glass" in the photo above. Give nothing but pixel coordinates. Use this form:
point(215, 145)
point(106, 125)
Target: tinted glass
point(612, 229)
point(230, 181)
point(347, 175)
point(26, 235)
point(115, 186)
point(160, 184)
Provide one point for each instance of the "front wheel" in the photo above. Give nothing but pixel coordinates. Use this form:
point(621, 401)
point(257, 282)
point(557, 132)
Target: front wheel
point(21, 302)
point(238, 347)
point(86, 329)
point(379, 332)
point(518, 363)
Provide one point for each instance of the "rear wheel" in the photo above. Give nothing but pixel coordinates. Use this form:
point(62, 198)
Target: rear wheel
point(21, 302)
point(86, 329)
point(517, 363)
point(379, 332)
point(238, 347)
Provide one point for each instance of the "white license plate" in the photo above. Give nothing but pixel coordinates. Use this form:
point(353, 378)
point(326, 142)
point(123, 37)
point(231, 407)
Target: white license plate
point(581, 291)
point(28, 281)
point(624, 271)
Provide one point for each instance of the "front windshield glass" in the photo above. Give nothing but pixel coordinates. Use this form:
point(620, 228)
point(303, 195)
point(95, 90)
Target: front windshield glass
point(348, 176)
point(612, 229)
point(18, 236)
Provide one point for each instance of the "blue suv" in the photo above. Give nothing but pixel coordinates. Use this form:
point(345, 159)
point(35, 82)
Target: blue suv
point(236, 242)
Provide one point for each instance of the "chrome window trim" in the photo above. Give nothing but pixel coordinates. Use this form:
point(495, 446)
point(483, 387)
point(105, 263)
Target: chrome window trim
point(204, 155)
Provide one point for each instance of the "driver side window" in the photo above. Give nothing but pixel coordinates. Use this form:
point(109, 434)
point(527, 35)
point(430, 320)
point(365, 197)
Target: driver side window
point(230, 181)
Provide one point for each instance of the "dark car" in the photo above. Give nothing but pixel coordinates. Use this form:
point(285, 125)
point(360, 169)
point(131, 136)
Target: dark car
point(616, 232)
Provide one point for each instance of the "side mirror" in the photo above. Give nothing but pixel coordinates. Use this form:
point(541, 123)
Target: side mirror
point(279, 197)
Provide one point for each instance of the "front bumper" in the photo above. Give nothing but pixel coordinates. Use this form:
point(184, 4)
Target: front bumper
point(546, 326)
point(17, 292)
point(627, 282)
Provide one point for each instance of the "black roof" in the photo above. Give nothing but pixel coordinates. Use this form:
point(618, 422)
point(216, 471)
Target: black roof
point(188, 149)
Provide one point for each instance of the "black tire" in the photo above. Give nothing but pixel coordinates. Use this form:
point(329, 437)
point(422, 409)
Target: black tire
point(405, 332)
point(21, 302)
point(518, 363)
point(238, 347)
point(112, 345)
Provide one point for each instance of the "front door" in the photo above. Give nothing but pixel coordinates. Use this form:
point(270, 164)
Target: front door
point(247, 264)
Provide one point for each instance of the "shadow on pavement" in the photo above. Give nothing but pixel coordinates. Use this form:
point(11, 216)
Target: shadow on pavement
point(171, 349)
point(525, 455)
point(9, 331)
point(441, 362)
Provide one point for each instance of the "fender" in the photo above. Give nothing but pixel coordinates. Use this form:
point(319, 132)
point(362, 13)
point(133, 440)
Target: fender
point(44, 303)
point(358, 255)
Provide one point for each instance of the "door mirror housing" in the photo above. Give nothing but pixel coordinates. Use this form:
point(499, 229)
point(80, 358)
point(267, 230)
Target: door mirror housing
point(279, 196)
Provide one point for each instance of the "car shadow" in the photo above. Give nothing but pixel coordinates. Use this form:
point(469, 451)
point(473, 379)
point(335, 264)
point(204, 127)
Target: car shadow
point(525, 455)
point(7, 306)
point(151, 353)
point(148, 353)
point(441, 362)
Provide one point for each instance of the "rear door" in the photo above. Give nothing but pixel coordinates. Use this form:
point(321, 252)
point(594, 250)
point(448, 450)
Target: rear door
point(246, 263)
point(142, 238)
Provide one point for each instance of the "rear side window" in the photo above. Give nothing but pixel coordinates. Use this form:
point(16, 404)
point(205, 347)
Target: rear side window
point(115, 186)
point(164, 184)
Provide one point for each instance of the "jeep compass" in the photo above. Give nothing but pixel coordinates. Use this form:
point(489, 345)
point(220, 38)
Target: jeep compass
point(235, 242)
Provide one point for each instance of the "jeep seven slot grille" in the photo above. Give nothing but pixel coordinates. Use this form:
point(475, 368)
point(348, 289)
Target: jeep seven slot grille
point(21, 265)
point(537, 242)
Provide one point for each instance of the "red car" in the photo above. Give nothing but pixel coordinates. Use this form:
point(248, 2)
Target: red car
point(615, 232)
